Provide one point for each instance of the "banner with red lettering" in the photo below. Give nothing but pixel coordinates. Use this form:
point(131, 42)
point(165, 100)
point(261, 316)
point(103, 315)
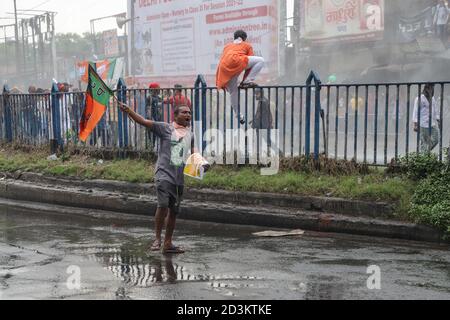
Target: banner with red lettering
point(342, 20)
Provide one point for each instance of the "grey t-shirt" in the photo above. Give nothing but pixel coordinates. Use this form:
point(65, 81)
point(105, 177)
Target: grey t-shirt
point(173, 153)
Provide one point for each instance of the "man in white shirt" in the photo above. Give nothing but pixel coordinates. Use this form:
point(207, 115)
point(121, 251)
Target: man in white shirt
point(441, 18)
point(429, 138)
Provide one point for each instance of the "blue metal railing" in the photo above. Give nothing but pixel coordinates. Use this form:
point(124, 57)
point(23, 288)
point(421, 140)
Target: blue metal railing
point(370, 123)
point(317, 110)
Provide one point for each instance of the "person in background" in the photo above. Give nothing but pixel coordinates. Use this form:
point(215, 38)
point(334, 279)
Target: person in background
point(154, 110)
point(178, 99)
point(425, 107)
point(263, 118)
point(262, 121)
point(238, 57)
point(441, 18)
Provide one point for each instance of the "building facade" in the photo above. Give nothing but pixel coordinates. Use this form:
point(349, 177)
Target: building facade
point(370, 40)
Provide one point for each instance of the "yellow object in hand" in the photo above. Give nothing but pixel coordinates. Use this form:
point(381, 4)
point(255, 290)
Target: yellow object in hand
point(195, 166)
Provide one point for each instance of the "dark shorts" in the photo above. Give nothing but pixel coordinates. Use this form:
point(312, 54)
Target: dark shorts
point(169, 196)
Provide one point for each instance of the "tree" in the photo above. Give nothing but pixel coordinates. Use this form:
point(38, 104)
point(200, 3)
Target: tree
point(69, 45)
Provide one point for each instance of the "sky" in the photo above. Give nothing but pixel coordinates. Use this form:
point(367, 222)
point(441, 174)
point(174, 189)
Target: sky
point(73, 16)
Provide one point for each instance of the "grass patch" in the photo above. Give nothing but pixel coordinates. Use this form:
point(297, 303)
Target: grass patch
point(79, 166)
point(373, 186)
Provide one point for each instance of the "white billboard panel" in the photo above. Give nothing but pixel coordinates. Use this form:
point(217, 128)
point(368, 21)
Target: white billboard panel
point(179, 38)
point(342, 20)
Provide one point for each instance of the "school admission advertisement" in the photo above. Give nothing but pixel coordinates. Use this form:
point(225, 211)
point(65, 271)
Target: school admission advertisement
point(342, 20)
point(179, 38)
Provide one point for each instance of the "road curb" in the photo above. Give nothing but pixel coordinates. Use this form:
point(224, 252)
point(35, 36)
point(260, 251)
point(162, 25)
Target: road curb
point(218, 212)
point(320, 204)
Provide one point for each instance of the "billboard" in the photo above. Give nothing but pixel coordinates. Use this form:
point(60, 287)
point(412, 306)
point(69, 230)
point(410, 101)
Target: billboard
point(111, 43)
point(182, 39)
point(342, 20)
point(411, 28)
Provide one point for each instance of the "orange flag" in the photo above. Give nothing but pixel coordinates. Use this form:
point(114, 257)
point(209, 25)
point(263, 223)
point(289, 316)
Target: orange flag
point(97, 99)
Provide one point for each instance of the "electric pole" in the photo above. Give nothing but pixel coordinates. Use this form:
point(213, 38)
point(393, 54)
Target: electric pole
point(54, 57)
point(297, 33)
point(16, 31)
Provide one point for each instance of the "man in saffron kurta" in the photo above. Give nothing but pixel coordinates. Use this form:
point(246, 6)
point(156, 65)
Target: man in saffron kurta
point(238, 57)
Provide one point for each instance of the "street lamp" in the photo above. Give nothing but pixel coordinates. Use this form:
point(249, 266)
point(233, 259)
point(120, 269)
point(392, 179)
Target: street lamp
point(117, 16)
point(121, 20)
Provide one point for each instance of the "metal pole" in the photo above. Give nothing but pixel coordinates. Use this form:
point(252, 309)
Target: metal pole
point(54, 58)
point(33, 34)
point(94, 38)
point(16, 35)
point(127, 67)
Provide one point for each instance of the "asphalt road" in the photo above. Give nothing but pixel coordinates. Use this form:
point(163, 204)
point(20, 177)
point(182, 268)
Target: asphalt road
point(105, 256)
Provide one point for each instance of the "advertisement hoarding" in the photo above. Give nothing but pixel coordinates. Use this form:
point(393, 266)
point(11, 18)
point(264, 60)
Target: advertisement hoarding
point(182, 39)
point(342, 20)
point(111, 43)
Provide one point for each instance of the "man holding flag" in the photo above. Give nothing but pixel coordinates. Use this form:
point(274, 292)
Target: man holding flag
point(176, 145)
point(98, 96)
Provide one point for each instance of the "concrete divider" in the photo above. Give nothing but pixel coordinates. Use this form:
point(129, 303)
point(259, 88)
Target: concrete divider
point(229, 212)
point(321, 204)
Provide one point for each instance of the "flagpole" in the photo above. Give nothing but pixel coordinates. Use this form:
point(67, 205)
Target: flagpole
point(121, 103)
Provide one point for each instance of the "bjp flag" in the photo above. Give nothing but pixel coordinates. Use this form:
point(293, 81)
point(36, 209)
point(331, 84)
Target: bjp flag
point(97, 99)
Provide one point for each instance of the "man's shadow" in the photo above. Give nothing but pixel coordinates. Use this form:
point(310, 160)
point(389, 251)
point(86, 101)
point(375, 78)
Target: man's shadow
point(165, 271)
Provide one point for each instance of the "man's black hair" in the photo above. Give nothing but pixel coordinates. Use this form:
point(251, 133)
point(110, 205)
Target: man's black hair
point(177, 109)
point(240, 34)
point(260, 90)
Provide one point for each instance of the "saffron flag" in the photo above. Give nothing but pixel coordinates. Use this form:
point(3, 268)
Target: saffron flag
point(97, 99)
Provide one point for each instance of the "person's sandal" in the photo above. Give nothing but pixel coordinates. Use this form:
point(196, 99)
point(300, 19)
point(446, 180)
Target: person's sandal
point(248, 85)
point(173, 250)
point(156, 246)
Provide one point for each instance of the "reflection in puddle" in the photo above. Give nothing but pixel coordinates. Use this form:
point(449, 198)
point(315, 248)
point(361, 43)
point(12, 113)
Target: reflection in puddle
point(146, 272)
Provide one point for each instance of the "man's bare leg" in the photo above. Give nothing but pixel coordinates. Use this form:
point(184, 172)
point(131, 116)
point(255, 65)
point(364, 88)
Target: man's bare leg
point(233, 89)
point(170, 229)
point(160, 219)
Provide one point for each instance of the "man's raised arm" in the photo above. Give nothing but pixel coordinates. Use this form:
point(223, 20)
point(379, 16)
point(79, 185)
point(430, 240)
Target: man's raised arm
point(134, 116)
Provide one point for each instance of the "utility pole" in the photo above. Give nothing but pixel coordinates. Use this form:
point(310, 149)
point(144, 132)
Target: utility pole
point(297, 33)
point(16, 35)
point(54, 57)
point(282, 18)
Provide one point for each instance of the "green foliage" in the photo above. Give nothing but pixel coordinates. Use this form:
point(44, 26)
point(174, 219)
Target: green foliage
point(431, 201)
point(323, 165)
point(374, 186)
point(420, 166)
point(71, 45)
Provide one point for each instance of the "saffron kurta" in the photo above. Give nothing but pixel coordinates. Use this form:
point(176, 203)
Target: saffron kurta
point(233, 62)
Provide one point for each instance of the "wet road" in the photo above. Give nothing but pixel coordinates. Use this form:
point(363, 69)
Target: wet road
point(101, 256)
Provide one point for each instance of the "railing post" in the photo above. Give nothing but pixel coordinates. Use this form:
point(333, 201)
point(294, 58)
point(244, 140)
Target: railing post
point(122, 120)
point(56, 119)
point(318, 109)
point(7, 115)
point(200, 113)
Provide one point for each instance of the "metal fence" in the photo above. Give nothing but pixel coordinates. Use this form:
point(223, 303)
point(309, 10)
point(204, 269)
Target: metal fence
point(371, 123)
